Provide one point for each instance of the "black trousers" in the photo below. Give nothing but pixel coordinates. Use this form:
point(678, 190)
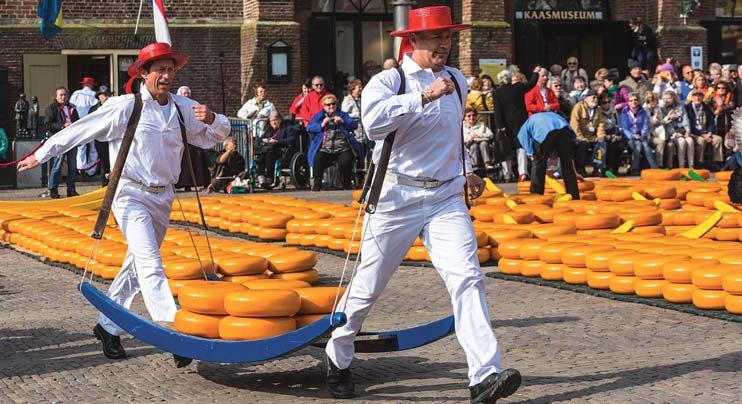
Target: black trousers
point(561, 141)
point(267, 161)
point(105, 161)
point(323, 160)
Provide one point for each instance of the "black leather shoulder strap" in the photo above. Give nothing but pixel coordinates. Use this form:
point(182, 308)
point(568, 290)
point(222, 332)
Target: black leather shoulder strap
point(189, 163)
point(118, 168)
point(376, 174)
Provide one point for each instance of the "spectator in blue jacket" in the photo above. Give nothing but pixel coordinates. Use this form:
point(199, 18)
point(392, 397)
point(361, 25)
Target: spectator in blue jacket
point(332, 140)
point(634, 123)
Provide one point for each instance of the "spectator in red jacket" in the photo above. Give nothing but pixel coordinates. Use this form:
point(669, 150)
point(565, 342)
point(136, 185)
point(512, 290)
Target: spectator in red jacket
point(541, 98)
point(313, 101)
point(295, 108)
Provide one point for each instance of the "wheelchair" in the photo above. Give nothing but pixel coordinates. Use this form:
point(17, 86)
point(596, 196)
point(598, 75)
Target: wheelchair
point(291, 168)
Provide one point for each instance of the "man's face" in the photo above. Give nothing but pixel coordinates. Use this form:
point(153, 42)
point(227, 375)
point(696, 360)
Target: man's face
point(636, 72)
point(592, 101)
point(556, 71)
point(688, 73)
point(572, 64)
point(432, 47)
point(260, 93)
point(61, 96)
point(697, 98)
point(159, 77)
point(715, 75)
point(634, 102)
point(318, 85)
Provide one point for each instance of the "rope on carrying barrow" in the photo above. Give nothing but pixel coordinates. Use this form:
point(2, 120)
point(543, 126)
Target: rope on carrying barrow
point(14, 162)
point(656, 302)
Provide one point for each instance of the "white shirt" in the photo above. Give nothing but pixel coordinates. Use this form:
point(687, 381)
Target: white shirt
point(83, 100)
point(155, 154)
point(428, 139)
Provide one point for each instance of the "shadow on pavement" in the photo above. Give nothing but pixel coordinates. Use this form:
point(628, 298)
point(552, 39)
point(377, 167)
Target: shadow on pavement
point(529, 322)
point(37, 351)
point(309, 382)
point(631, 378)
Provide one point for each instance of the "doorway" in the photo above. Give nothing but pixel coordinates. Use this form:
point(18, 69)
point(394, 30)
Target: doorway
point(96, 66)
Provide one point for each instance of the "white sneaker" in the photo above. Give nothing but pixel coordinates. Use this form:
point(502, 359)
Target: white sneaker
point(261, 179)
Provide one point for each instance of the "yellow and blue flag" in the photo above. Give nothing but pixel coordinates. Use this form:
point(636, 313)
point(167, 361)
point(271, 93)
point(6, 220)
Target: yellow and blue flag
point(50, 12)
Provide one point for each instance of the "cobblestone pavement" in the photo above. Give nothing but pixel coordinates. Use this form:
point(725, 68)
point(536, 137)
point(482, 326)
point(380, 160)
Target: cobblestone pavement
point(569, 347)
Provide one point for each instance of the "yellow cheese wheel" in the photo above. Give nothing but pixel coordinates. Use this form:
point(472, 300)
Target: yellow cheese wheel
point(244, 278)
point(623, 265)
point(649, 287)
point(551, 252)
point(485, 213)
point(576, 257)
point(262, 303)
point(500, 235)
point(734, 258)
point(530, 250)
point(352, 247)
point(308, 240)
point(293, 261)
point(599, 261)
point(338, 230)
point(322, 240)
point(670, 204)
point(510, 266)
point(660, 191)
point(733, 303)
point(623, 285)
point(336, 244)
point(575, 276)
point(483, 254)
point(206, 297)
point(651, 266)
point(176, 284)
point(531, 268)
point(311, 276)
point(565, 219)
point(710, 277)
point(598, 221)
point(199, 325)
point(271, 250)
point(247, 328)
point(731, 282)
point(651, 218)
point(312, 215)
point(678, 292)
point(285, 284)
point(549, 231)
point(709, 255)
point(293, 238)
point(511, 248)
point(709, 299)
point(303, 320)
point(318, 300)
point(680, 271)
point(599, 280)
point(242, 265)
point(109, 272)
point(187, 268)
point(553, 272)
point(301, 226)
point(321, 226)
point(727, 234)
point(275, 220)
point(547, 215)
point(272, 234)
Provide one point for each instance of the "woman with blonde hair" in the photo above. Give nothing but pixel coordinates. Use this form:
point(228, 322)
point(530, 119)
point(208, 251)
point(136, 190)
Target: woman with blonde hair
point(479, 101)
point(699, 83)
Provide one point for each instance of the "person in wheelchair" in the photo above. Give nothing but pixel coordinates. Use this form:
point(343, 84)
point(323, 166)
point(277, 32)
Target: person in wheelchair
point(332, 140)
point(229, 163)
point(277, 137)
point(477, 138)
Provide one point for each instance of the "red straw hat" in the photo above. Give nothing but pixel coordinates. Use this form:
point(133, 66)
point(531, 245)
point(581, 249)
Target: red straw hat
point(156, 51)
point(430, 19)
point(88, 81)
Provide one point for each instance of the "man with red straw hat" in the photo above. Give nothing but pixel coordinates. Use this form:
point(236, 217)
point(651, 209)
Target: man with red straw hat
point(143, 202)
point(422, 103)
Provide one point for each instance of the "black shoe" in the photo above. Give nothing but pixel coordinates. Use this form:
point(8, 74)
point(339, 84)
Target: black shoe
point(339, 381)
point(112, 348)
point(181, 361)
point(73, 193)
point(496, 385)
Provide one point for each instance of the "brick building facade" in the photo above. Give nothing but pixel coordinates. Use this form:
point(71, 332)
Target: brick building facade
point(228, 41)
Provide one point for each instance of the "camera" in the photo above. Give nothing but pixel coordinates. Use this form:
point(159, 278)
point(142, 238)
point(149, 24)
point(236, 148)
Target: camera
point(332, 125)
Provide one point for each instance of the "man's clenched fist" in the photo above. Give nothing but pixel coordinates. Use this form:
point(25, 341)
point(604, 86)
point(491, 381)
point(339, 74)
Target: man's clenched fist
point(203, 114)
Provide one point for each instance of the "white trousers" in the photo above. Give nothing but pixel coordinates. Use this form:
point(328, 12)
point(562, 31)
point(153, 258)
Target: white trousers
point(86, 156)
point(522, 161)
point(685, 148)
point(446, 230)
point(144, 218)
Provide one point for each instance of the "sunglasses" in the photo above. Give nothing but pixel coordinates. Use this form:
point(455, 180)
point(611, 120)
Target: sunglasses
point(572, 64)
point(605, 103)
point(318, 85)
point(332, 104)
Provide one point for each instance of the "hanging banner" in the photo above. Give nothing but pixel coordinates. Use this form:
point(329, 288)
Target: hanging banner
point(565, 10)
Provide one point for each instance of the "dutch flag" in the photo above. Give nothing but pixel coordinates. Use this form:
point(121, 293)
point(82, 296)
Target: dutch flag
point(162, 33)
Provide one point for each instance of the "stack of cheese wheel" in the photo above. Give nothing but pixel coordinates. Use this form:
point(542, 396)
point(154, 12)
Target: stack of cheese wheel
point(731, 282)
point(294, 265)
point(316, 303)
point(678, 274)
point(728, 228)
point(709, 293)
point(259, 313)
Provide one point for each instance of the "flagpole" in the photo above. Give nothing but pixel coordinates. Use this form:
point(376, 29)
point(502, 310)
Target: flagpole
point(139, 14)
